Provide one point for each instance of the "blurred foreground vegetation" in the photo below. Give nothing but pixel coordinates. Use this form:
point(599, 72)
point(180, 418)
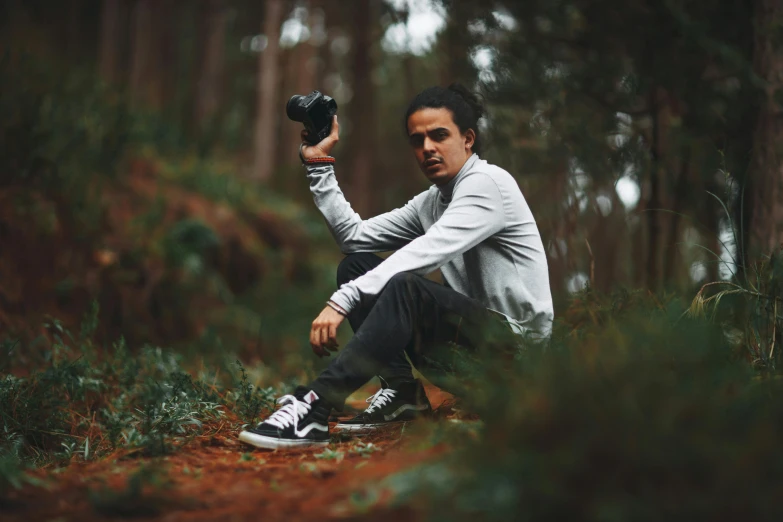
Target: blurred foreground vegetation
point(642, 413)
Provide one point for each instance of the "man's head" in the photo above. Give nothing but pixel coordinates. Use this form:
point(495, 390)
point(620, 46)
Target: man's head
point(442, 127)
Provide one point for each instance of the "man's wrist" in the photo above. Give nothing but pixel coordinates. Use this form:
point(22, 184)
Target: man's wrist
point(321, 160)
point(337, 308)
point(313, 153)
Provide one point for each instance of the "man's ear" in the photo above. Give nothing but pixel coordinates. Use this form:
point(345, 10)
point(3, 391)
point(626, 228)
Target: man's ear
point(470, 139)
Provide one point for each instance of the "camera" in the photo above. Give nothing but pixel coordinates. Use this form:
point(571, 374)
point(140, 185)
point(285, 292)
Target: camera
point(315, 110)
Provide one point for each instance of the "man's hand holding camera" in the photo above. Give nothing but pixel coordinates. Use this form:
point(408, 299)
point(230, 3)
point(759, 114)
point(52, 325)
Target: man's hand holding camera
point(324, 147)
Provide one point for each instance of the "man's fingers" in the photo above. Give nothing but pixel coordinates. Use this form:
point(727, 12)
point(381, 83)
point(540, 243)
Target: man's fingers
point(315, 343)
point(335, 134)
point(332, 337)
point(323, 336)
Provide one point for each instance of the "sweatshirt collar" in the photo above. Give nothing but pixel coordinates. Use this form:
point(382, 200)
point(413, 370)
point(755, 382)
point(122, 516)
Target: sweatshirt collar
point(447, 190)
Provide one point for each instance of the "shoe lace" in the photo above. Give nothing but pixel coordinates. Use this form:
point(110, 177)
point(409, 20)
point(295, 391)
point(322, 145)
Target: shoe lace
point(380, 399)
point(291, 413)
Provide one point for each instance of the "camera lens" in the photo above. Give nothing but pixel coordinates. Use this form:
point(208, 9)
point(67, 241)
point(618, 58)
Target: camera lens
point(295, 110)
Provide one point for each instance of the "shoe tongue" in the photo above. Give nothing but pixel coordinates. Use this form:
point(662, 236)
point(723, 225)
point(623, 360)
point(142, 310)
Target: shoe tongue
point(384, 384)
point(310, 397)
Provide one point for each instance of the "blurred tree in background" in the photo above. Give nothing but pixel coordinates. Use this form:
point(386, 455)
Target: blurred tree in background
point(645, 135)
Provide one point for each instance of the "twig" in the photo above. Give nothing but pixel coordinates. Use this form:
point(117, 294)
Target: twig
point(729, 283)
point(592, 264)
point(774, 328)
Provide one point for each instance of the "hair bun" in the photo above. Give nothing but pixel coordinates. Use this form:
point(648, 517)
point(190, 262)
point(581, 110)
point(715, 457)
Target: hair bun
point(470, 98)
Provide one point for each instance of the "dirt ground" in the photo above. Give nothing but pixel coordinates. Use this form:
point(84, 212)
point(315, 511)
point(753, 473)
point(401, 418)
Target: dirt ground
point(219, 478)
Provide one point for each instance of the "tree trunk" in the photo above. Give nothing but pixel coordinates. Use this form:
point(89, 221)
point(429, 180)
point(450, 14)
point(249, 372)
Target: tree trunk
point(679, 194)
point(209, 85)
point(363, 113)
point(765, 176)
point(153, 42)
point(456, 43)
point(108, 47)
point(163, 78)
point(654, 202)
point(74, 30)
point(268, 113)
point(141, 51)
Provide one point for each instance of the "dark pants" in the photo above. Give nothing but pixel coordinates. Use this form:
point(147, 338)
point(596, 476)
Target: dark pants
point(413, 315)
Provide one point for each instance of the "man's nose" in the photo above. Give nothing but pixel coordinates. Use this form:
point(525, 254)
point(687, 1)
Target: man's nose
point(429, 145)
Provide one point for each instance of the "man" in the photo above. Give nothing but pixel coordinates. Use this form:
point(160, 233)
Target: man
point(473, 223)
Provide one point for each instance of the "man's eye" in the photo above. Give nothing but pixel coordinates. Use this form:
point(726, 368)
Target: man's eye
point(416, 141)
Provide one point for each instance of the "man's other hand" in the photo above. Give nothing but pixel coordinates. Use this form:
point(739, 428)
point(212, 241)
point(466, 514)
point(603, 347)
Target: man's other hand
point(324, 148)
point(323, 335)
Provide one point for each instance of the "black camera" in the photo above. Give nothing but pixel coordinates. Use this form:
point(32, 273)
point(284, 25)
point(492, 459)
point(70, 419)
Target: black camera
point(314, 110)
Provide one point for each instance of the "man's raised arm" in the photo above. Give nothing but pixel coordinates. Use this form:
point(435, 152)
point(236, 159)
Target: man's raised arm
point(388, 231)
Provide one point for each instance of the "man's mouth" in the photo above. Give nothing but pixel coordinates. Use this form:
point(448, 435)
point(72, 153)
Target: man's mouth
point(430, 162)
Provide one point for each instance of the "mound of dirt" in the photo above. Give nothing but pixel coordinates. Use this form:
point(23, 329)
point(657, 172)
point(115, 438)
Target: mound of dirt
point(128, 261)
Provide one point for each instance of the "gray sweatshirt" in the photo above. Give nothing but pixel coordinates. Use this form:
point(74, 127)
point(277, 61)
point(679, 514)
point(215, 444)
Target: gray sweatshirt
point(478, 229)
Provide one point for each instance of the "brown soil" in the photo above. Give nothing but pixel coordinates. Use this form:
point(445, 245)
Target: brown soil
point(218, 478)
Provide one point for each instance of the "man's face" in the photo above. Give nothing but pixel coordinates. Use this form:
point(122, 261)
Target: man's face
point(441, 150)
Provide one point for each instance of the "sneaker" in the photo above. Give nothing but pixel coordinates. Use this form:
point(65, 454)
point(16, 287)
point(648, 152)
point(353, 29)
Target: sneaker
point(391, 404)
point(302, 421)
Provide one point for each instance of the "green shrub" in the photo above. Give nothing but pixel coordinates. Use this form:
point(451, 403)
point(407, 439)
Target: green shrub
point(646, 416)
point(145, 402)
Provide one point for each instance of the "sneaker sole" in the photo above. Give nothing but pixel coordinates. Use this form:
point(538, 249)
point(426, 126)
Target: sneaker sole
point(367, 427)
point(264, 442)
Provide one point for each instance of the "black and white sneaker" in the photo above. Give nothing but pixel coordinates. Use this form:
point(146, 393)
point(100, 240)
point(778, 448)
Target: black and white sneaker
point(396, 403)
point(302, 421)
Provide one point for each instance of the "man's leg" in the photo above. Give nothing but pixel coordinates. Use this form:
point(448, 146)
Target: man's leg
point(411, 312)
point(354, 266)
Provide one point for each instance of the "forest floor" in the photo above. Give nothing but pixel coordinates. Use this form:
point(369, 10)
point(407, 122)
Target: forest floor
point(217, 477)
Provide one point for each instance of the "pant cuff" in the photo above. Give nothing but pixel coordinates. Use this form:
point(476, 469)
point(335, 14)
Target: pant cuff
point(335, 400)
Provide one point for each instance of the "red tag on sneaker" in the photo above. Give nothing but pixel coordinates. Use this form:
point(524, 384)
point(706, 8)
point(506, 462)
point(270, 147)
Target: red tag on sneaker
point(311, 397)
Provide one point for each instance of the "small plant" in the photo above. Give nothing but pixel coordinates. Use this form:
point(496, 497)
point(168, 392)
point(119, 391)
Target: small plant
point(363, 449)
point(246, 457)
point(329, 454)
point(251, 400)
point(754, 319)
point(12, 469)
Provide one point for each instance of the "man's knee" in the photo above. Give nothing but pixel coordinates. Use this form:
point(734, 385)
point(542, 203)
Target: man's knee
point(402, 281)
point(352, 266)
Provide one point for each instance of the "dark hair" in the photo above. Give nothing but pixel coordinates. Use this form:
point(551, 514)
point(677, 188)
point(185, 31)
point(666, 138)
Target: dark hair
point(466, 107)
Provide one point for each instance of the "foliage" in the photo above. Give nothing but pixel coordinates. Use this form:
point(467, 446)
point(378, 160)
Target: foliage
point(250, 399)
point(643, 416)
point(88, 402)
point(57, 131)
point(750, 310)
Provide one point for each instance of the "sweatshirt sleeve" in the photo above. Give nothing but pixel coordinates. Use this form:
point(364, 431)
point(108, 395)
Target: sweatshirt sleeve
point(388, 231)
point(474, 214)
